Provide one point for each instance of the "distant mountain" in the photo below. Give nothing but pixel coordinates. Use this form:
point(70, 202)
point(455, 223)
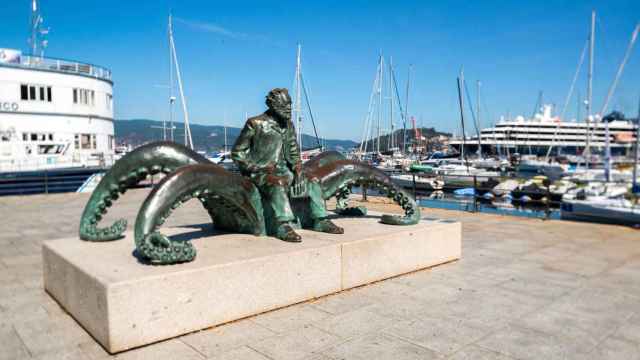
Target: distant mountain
point(428, 133)
point(205, 137)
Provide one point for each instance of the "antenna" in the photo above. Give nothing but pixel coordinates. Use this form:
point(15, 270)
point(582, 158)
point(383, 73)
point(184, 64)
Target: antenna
point(37, 40)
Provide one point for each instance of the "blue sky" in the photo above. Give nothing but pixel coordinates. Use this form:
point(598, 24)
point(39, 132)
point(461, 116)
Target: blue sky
point(232, 53)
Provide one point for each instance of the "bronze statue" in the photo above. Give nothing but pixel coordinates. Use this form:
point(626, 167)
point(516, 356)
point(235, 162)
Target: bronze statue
point(274, 195)
point(267, 153)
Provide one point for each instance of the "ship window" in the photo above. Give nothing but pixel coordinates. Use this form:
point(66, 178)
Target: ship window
point(109, 98)
point(49, 97)
point(24, 92)
point(50, 137)
point(41, 93)
point(84, 97)
point(25, 137)
point(32, 92)
point(77, 140)
point(34, 137)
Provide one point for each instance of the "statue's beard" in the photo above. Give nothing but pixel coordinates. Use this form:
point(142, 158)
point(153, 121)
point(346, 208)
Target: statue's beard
point(283, 116)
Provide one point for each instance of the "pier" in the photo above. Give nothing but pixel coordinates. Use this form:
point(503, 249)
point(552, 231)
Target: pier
point(524, 289)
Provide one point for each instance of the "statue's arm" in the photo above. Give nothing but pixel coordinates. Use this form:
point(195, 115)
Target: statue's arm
point(242, 147)
point(294, 149)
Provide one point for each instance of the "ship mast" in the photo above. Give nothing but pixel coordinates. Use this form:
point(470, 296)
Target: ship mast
point(587, 150)
point(297, 109)
point(188, 142)
point(461, 103)
point(636, 188)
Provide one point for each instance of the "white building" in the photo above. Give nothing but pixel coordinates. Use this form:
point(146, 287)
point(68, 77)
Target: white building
point(54, 113)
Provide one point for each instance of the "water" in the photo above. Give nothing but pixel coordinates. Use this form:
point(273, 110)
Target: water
point(498, 207)
point(447, 201)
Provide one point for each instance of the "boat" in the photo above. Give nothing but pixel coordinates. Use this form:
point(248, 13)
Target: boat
point(536, 135)
point(56, 117)
point(421, 183)
point(603, 210)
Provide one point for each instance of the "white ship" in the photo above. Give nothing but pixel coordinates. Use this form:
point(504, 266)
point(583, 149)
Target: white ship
point(54, 113)
point(536, 135)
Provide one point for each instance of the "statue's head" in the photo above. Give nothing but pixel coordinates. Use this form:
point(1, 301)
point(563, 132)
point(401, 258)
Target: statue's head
point(279, 101)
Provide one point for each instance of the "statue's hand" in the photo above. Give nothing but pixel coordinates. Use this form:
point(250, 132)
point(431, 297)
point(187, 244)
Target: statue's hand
point(297, 169)
point(269, 168)
point(276, 180)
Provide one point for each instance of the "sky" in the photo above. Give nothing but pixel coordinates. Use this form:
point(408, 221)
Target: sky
point(232, 53)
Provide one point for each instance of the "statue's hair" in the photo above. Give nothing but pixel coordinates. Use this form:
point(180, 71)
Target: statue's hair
point(276, 95)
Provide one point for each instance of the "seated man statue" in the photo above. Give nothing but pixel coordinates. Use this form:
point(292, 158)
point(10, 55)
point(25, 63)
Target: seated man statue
point(267, 152)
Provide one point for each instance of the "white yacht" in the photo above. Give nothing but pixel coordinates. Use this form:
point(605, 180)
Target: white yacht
point(536, 135)
point(54, 113)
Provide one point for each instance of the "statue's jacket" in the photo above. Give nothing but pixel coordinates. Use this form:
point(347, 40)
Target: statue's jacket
point(264, 143)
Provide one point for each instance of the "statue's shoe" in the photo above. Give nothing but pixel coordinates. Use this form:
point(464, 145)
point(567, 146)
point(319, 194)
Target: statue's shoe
point(327, 226)
point(286, 233)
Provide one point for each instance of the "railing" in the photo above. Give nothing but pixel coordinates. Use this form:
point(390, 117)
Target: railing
point(45, 182)
point(61, 65)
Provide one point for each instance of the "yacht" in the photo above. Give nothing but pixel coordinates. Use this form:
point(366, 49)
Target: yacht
point(55, 114)
point(538, 134)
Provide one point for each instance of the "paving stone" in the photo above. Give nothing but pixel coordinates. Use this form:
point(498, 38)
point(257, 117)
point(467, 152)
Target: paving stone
point(444, 335)
point(630, 330)
point(227, 337)
point(379, 346)
point(474, 352)
point(167, 350)
point(343, 302)
point(614, 348)
point(354, 323)
point(11, 346)
point(586, 330)
point(290, 318)
point(296, 344)
point(400, 307)
point(241, 353)
point(523, 343)
point(50, 335)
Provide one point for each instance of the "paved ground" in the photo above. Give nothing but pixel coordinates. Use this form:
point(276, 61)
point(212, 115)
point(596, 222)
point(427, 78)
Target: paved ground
point(525, 289)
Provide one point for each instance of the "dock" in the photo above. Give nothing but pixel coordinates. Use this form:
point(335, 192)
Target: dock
point(524, 289)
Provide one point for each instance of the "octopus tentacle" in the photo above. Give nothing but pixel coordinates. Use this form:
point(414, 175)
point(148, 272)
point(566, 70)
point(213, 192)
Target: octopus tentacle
point(322, 159)
point(232, 201)
point(134, 167)
point(337, 177)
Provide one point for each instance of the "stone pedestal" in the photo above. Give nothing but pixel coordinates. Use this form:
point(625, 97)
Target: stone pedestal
point(126, 304)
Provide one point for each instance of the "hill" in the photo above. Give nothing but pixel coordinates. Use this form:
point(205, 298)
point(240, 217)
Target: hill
point(428, 133)
point(205, 137)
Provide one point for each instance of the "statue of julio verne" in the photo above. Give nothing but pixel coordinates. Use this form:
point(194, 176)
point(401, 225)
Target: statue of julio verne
point(267, 153)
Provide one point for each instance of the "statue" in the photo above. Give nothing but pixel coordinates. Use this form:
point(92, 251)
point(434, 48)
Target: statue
point(273, 195)
point(267, 153)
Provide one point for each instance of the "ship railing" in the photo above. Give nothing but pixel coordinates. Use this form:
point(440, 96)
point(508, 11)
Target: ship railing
point(61, 65)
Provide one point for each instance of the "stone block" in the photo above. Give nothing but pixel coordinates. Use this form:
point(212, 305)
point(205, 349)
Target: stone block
point(124, 303)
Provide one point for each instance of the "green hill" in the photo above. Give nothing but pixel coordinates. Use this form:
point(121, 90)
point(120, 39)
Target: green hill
point(205, 137)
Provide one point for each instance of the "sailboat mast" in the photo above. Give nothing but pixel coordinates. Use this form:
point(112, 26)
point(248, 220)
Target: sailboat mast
point(587, 149)
point(636, 187)
point(478, 118)
point(298, 100)
point(461, 103)
point(380, 102)
point(391, 142)
point(406, 109)
point(187, 130)
point(172, 98)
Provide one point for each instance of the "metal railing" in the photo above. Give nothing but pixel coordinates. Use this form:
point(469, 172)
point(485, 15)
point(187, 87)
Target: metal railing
point(61, 65)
